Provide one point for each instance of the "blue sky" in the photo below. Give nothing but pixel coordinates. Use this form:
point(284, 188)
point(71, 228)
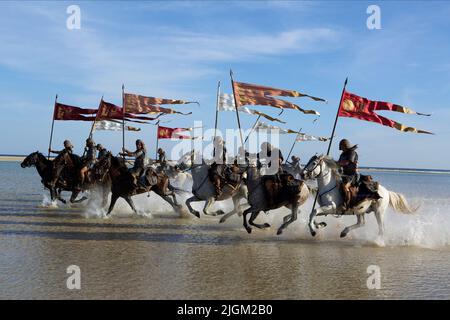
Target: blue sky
point(181, 49)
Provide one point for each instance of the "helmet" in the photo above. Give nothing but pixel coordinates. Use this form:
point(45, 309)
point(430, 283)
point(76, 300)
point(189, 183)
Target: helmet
point(67, 144)
point(266, 146)
point(90, 141)
point(99, 146)
point(344, 144)
point(218, 140)
point(160, 150)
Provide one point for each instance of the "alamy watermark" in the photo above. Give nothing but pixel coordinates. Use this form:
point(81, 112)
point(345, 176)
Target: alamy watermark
point(374, 279)
point(373, 22)
point(73, 282)
point(73, 21)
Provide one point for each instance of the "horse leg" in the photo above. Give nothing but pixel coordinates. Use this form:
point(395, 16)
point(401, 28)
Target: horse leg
point(59, 197)
point(208, 204)
point(380, 220)
point(359, 223)
point(254, 215)
point(324, 210)
point(74, 196)
point(131, 203)
point(192, 210)
point(114, 198)
point(244, 217)
point(236, 209)
point(288, 220)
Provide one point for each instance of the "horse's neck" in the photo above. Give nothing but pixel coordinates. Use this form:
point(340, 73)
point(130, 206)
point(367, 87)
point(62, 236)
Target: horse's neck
point(199, 173)
point(253, 178)
point(43, 166)
point(327, 179)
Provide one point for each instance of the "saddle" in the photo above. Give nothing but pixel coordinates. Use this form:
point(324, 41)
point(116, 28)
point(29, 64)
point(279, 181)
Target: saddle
point(364, 189)
point(281, 188)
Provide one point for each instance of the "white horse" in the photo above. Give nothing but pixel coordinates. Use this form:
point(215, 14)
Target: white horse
point(325, 170)
point(204, 190)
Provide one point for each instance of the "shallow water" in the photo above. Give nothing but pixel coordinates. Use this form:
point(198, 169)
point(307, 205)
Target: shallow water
point(158, 255)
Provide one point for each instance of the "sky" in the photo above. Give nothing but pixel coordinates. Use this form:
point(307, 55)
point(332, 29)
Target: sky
point(181, 49)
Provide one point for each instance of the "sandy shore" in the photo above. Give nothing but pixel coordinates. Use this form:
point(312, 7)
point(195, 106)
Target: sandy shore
point(11, 158)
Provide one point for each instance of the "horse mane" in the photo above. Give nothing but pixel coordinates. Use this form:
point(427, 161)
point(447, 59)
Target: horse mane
point(333, 165)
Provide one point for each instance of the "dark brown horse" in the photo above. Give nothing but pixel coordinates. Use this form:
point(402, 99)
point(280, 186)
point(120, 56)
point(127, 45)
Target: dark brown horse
point(54, 176)
point(123, 185)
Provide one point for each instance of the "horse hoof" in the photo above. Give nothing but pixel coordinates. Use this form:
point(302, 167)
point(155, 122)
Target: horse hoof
point(280, 231)
point(249, 230)
point(343, 234)
point(266, 225)
point(313, 233)
point(321, 225)
point(222, 220)
point(196, 213)
point(220, 212)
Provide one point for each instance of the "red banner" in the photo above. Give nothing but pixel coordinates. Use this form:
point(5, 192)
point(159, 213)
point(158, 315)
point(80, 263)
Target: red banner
point(141, 105)
point(109, 111)
point(172, 133)
point(66, 112)
point(354, 106)
point(251, 94)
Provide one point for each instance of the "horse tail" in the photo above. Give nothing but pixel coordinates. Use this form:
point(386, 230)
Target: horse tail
point(399, 203)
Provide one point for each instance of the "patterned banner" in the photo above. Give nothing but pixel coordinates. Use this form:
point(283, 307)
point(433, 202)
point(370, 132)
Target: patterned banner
point(66, 112)
point(354, 106)
point(142, 105)
point(109, 111)
point(250, 94)
point(305, 137)
point(261, 126)
point(226, 103)
point(112, 125)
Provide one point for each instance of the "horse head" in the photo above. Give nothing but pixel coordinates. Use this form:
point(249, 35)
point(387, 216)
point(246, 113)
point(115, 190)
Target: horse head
point(31, 160)
point(317, 167)
point(102, 166)
point(313, 168)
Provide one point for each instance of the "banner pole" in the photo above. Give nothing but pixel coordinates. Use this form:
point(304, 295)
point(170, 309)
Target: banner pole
point(332, 136)
point(293, 145)
point(236, 107)
point(217, 115)
point(253, 128)
point(123, 120)
point(51, 132)
point(157, 142)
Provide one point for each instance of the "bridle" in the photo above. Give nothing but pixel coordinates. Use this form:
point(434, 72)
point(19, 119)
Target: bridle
point(315, 167)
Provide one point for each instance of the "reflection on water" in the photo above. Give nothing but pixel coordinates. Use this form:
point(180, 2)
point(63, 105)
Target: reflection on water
point(165, 257)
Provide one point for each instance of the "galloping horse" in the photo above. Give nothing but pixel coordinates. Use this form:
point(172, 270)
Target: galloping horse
point(122, 184)
point(47, 170)
point(204, 190)
point(325, 170)
point(257, 199)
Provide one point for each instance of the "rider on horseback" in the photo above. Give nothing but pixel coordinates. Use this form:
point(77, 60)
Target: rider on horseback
point(88, 160)
point(140, 156)
point(101, 151)
point(68, 148)
point(271, 181)
point(217, 170)
point(161, 159)
point(349, 166)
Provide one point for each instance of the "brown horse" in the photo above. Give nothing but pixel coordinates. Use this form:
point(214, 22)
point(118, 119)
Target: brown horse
point(123, 186)
point(55, 176)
